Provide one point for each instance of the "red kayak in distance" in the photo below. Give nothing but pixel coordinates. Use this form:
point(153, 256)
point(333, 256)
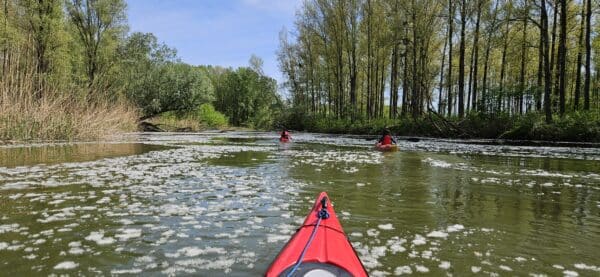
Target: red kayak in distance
point(386, 147)
point(285, 137)
point(319, 248)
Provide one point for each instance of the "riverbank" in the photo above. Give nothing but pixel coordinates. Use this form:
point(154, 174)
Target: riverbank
point(25, 118)
point(574, 127)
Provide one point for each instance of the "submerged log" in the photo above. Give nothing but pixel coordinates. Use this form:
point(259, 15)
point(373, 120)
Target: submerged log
point(149, 127)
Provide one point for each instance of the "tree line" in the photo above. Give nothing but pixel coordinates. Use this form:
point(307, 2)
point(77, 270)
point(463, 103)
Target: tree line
point(369, 59)
point(83, 49)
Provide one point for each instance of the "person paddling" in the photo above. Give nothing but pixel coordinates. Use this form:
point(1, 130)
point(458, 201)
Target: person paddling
point(285, 136)
point(386, 138)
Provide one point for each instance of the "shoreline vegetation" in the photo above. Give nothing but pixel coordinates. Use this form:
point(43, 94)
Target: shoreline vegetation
point(29, 113)
point(575, 127)
point(452, 69)
point(70, 70)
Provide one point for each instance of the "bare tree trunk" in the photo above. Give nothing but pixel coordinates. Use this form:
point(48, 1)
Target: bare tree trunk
point(461, 61)
point(579, 57)
point(503, 64)
point(485, 74)
point(382, 89)
point(440, 97)
point(547, 71)
point(562, 56)
point(353, 73)
point(416, 92)
point(394, 83)
point(540, 75)
point(588, 56)
point(523, 62)
point(405, 86)
point(450, 30)
point(552, 52)
point(369, 63)
point(476, 57)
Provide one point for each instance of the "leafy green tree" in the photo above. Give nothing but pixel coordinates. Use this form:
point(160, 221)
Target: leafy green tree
point(45, 24)
point(337, 64)
point(99, 25)
point(173, 86)
point(247, 96)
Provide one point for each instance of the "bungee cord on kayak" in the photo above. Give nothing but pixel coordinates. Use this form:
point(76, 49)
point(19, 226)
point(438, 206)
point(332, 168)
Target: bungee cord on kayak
point(322, 214)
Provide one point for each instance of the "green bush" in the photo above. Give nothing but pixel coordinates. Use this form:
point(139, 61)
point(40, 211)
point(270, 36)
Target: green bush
point(526, 127)
point(207, 114)
point(579, 126)
point(576, 126)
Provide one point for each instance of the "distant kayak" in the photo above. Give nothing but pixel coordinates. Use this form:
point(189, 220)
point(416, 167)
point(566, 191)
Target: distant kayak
point(387, 147)
point(285, 140)
point(319, 248)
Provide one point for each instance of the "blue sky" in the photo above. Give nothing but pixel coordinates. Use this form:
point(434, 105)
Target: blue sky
point(216, 32)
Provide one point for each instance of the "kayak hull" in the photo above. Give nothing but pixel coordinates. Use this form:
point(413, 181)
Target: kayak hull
point(330, 251)
point(284, 140)
point(387, 147)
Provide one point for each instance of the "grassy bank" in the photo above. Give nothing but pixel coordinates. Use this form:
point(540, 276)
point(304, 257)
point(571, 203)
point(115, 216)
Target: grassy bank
point(577, 127)
point(45, 114)
point(202, 118)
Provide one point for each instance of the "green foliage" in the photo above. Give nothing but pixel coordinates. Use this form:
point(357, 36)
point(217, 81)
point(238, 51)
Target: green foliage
point(98, 26)
point(203, 117)
point(576, 126)
point(207, 114)
point(485, 125)
point(246, 96)
point(297, 120)
point(351, 59)
point(156, 82)
point(80, 50)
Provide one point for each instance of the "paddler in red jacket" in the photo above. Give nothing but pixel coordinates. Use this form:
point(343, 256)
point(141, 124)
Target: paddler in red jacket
point(285, 136)
point(386, 138)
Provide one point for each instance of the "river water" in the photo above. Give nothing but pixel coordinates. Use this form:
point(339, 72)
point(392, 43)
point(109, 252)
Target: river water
point(214, 204)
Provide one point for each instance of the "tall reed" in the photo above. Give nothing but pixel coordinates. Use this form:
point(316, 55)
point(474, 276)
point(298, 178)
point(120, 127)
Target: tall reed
point(32, 109)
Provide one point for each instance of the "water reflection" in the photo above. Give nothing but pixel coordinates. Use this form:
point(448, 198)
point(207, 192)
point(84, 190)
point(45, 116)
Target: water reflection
point(226, 206)
point(82, 152)
point(515, 208)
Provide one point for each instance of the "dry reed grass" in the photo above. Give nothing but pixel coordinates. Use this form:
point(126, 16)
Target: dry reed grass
point(33, 112)
point(172, 123)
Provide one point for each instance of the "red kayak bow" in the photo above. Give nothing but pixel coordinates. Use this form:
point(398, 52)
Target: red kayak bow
point(319, 247)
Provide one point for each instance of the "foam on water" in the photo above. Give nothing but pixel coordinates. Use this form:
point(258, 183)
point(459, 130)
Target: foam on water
point(437, 234)
point(66, 265)
point(179, 215)
point(419, 240)
point(99, 238)
point(587, 267)
point(421, 268)
point(386, 226)
point(444, 265)
point(402, 270)
point(570, 273)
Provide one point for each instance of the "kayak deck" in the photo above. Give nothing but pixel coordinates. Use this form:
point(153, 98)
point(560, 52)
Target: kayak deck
point(329, 254)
